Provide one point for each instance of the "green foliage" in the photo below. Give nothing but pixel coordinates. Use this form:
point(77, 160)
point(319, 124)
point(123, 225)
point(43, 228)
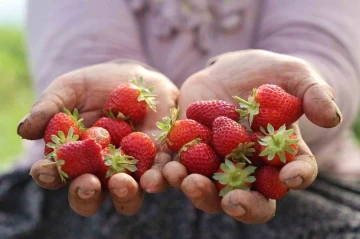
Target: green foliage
point(357, 128)
point(16, 94)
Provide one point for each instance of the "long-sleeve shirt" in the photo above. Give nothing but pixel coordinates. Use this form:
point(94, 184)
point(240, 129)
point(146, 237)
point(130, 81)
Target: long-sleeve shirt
point(178, 37)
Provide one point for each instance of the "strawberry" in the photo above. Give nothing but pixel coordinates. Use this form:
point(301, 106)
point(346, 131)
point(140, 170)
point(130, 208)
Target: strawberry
point(176, 133)
point(278, 147)
point(270, 104)
point(62, 122)
point(131, 101)
point(268, 184)
point(233, 175)
point(231, 140)
point(205, 112)
point(99, 134)
point(115, 161)
point(255, 159)
point(117, 129)
point(140, 146)
point(199, 158)
point(76, 158)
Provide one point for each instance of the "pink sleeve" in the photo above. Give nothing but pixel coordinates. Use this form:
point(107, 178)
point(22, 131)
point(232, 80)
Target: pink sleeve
point(66, 35)
point(326, 34)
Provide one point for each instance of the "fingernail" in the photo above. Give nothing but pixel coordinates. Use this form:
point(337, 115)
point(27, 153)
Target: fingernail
point(120, 192)
point(21, 122)
point(236, 210)
point(294, 182)
point(85, 194)
point(338, 118)
point(46, 178)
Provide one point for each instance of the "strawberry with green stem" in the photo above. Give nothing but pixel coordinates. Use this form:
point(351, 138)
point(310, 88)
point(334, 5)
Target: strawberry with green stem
point(140, 146)
point(233, 175)
point(176, 133)
point(131, 101)
point(200, 158)
point(62, 122)
point(270, 104)
point(231, 140)
point(115, 161)
point(278, 147)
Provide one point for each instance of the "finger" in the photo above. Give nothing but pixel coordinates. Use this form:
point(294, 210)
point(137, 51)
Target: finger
point(248, 207)
point(61, 93)
point(153, 181)
point(46, 177)
point(126, 194)
point(174, 173)
point(301, 172)
point(304, 82)
point(202, 192)
point(85, 195)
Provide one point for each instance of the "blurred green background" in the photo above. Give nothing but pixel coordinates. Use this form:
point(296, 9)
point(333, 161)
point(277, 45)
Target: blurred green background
point(15, 92)
point(16, 95)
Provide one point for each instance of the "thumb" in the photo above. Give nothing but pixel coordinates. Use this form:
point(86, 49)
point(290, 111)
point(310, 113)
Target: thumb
point(53, 100)
point(318, 97)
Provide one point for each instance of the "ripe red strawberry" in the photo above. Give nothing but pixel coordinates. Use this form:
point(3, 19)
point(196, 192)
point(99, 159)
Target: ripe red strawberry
point(205, 112)
point(62, 122)
point(231, 140)
point(76, 158)
point(278, 147)
point(99, 134)
point(255, 159)
point(140, 146)
point(199, 158)
point(270, 104)
point(268, 184)
point(115, 161)
point(233, 175)
point(131, 101)
point(117, 129)
point(176, 133)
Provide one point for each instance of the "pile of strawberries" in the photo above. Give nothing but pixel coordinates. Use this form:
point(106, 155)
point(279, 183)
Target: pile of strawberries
point(218, 142)
point(111, 145)
point(240, 147)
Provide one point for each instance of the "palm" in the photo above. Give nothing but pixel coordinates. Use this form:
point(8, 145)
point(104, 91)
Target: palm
point(237, 73)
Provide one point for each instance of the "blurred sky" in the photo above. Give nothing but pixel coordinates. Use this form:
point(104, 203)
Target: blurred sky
point(12, 12)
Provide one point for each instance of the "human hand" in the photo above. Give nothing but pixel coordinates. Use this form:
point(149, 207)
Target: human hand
point(87, 90)
point(236, 74)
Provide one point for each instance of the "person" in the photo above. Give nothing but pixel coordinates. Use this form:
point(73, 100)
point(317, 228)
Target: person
point(191, 50)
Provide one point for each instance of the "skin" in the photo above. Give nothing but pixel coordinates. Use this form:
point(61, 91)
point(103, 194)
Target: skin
point(87, 90)
point(235, 73)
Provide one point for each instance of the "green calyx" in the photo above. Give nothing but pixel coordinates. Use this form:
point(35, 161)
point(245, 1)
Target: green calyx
point(145, 93)
point(248, 108)
point(277, 143)
point(240, 153)
point(234, 176)
point(59, 140)
point(75, 116)
point(167, 125)
point(119, 162)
